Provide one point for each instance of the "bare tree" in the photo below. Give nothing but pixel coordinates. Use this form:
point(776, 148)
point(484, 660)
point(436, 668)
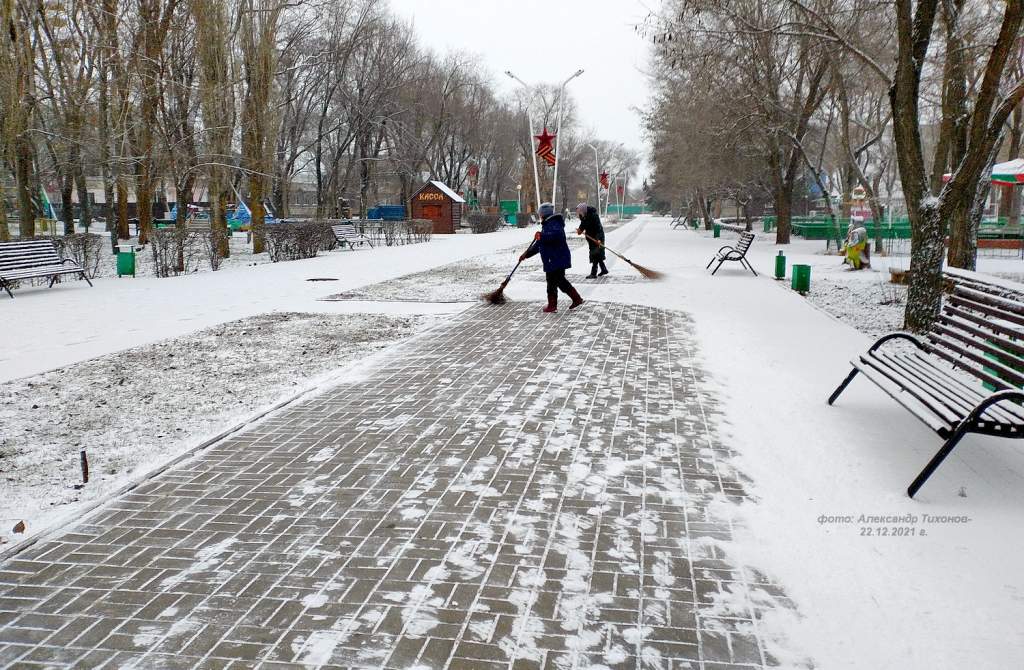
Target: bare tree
point(213, 35)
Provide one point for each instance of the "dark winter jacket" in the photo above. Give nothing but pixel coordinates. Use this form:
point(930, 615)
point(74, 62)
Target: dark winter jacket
point(553, 248)
point(591, 226)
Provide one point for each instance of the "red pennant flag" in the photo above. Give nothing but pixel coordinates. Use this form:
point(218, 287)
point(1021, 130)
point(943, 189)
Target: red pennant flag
point(604, 179)
point(544, 147)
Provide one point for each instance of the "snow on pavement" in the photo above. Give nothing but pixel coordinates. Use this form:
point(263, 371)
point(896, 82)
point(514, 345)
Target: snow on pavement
point(475, 501)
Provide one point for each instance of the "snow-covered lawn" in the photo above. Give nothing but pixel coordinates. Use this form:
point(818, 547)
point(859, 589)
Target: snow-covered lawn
point(131, 411)
point(865, 299)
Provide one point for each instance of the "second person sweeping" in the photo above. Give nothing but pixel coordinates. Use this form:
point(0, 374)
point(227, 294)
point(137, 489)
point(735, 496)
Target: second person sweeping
point(590, 225)
point(554, 252)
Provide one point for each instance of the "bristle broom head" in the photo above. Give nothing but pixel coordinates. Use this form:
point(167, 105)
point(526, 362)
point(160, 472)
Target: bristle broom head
point(646, 272)
point(649, 273)
point(496, 297)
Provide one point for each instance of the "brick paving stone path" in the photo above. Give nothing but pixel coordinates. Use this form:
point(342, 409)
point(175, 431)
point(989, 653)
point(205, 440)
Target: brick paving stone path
point(512, 490)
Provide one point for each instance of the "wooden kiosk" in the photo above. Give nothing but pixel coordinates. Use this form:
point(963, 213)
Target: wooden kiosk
point(438, 203)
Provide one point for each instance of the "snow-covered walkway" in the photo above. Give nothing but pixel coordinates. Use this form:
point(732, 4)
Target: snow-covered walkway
point(795, 523)
point(542, 498)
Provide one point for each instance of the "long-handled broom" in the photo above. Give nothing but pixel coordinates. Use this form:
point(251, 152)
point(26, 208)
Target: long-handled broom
point(646, 272)
point(497, 296)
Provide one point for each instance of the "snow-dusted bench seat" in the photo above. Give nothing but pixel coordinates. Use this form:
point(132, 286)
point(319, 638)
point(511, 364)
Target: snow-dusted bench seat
point(345, 233)
point(964, 375)
point(33, 258)
point(736, 253)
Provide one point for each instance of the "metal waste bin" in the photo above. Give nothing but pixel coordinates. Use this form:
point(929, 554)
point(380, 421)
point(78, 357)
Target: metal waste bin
point(125, 260)
point(802, 278)
point(717, 230)
point(780, 266)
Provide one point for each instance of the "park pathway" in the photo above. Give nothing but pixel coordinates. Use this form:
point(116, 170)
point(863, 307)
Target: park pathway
point(509, 490)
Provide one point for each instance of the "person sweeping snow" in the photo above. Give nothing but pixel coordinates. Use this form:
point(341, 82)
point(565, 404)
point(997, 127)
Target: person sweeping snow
point(554, 252)
point(590, 225)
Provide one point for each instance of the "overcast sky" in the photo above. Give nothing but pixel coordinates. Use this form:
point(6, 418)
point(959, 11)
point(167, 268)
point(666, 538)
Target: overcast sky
point(546, 41)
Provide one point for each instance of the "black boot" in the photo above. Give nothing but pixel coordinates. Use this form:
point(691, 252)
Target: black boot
point(577, 299)
point(593, 271)
point(604, 270)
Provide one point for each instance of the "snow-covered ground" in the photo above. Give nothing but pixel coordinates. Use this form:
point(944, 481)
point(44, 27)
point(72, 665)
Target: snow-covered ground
point(949, 595)
point(133, 411)
point(46, 328)
point(953, 597)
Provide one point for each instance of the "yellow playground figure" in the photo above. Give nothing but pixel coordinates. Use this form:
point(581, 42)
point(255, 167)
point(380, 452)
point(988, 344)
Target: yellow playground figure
point(858, 255)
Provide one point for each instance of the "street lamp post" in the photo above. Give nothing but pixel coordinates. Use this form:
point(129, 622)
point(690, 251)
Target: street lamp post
point(558, 131)
point(529, 143)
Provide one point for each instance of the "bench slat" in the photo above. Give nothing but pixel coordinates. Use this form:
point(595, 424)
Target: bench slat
point(958, 362)
point(990, 298)
point(985, 328)
point(961, 301)
point(923, 412)
point(960, 394)
point(29, 263)
point(45, 271)
point(909, 386)
point(1012, 379)
point(1004, 358)
point(919, 370)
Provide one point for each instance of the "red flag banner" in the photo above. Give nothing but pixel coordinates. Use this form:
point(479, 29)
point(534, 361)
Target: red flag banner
point(545, 149)
point(604, 180)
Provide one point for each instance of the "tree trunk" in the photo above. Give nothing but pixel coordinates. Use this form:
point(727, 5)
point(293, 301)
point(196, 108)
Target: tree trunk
point(703, 207)
point(783, 214)
point(123, 231)
point(23, 160)
point(84, 208)
point(963, 243)
point(924, 296)
point(144, 201)
point(218, 216)
point(5, 232)
point(104, 138)
point(67, 205)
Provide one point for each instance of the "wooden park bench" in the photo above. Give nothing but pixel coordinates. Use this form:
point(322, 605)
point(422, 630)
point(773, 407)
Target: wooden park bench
point(31, 259)
point(964, 375)
point(678, 221)
point(345, 233)
point(736, 253)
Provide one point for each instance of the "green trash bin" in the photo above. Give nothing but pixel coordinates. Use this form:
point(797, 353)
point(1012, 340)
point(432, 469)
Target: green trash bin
point(767, 226)
point(125, 260)
point(802, 278)
point(717, 230)
point(780, 266)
